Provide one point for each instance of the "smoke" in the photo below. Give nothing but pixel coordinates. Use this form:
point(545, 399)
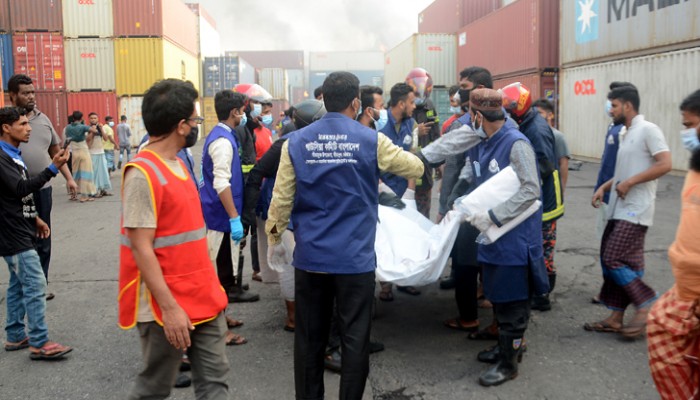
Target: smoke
point(314, 25)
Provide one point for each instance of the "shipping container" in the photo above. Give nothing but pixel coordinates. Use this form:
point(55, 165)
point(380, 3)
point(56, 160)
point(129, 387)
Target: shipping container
point(540, 86)
point(88, 18)
point(598, 31)
point(157, 18)
point(7, 63)
point(209, 115)
point(102, 103)
point(663, 82)
point(295, 78)
point(437, 53)
point(40, 55)
point(289, 59)
point(346, 61)
point(447, 16)
point(55, 106)
point(372, 78)
point(140, 62)
point(131, 107)
point(4, 16)
point(224, 72)
point(274, 80)
point(297, 94)
point(36, 15)
point(91, 65)
point(208, 37)
point(532, 46)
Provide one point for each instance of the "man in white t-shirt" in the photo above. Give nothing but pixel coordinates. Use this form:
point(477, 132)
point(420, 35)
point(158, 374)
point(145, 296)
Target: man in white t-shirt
point(642, 158)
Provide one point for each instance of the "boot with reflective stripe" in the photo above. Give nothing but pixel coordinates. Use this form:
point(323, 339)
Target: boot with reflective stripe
point(507, 366)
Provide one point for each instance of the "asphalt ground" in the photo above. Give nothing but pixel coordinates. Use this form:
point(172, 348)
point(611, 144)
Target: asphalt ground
point(422, 360)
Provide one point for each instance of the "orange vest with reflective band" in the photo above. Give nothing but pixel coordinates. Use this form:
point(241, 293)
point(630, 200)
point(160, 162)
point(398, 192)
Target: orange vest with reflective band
point(180, 245)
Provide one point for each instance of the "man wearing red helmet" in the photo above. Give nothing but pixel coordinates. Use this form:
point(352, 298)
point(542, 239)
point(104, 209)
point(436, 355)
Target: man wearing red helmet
point(517, 100)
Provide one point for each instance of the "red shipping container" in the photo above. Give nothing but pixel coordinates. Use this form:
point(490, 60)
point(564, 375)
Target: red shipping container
point(4, 16)
point(36, 15)
point(54, 105)
point(157, 18)
point(540, 87)
point(447, 16)
point(103, 103)
point(40, 55)
point(519, 38)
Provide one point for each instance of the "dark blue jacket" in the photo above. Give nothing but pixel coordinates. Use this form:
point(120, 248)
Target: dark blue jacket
point(609, 158)
point(403, 138)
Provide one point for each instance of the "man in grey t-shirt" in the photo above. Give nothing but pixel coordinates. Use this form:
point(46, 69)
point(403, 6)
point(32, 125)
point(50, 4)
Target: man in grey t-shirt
point(124, 135)
point(37, 154)
point(642, 158)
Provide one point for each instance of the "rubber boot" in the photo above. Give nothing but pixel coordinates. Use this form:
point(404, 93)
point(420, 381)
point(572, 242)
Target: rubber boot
point(492, 354)
point(237, 294)
point(552, 281)
point(289, 325)
point(507, 366)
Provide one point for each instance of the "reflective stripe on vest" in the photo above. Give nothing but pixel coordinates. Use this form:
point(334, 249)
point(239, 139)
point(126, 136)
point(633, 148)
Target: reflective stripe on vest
point(246, 168)
point(172, 240)
point(558, 211)
point(154, 167)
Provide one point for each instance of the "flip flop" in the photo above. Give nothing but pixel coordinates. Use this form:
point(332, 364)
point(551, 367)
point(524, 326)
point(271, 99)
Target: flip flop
point(484, 334)
point(634, 330)
point(600, 326)
point(456, 323)
point(236, 340)
point(408, 289)
point(233, 323)
point(50, 351)
point(386, 296)
point(22, 344)
point(288, 328)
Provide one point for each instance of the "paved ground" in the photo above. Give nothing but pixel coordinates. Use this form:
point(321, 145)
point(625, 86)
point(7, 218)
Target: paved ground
point(423, 360)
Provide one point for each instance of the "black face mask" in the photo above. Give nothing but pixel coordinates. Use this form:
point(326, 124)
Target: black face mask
point(191, 138)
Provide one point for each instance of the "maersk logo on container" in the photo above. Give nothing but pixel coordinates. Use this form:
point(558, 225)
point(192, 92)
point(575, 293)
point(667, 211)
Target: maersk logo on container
point(587, 17)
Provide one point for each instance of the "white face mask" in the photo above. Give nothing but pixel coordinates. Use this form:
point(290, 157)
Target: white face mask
point(690, 140)
point(383, 119)
point(256, 111)
point(111, 123)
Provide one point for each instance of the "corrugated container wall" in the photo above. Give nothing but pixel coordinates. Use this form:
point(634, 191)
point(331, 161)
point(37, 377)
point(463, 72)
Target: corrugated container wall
point(102, 103)
point(91, 65)
point(54, 105)
point(535, 44)
point(131, 107)
point(663, 82)
point(36, 15)
point(274, 80)
point(295, 77)
point(437, 53)
point(154, 18)
point(4, 16)
point(209, 114)
point(7, 63)
point(91, 18)
point(540, 86)
point(221, 73)
point(290, 59)
point(447, 16)
point(40, 55)
point(372, 78)
point(346, 61)
point(140, 62)
point(608, 30)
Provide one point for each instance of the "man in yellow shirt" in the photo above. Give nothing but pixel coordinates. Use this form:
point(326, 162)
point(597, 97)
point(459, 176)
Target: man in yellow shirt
point(108, 142)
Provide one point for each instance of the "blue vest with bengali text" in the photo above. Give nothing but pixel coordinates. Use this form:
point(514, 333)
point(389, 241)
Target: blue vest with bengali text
point(403, 138)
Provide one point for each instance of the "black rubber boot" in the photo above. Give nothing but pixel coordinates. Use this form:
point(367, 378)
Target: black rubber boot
point(507, 366)
point(552, 282)
point(541, 303)
point(238, 293)
point(492, 354)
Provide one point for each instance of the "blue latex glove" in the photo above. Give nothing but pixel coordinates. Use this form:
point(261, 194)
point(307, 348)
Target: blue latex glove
point(236, 229)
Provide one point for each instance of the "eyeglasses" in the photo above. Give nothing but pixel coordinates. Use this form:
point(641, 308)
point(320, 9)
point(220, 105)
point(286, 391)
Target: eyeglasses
point(198, 120)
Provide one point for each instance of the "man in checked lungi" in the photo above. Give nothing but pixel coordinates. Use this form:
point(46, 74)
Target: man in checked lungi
point(673, 335)
point(642, 158)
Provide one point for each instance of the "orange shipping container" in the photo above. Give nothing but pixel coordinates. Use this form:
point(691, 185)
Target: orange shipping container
point(53, 104)
point(157, 18)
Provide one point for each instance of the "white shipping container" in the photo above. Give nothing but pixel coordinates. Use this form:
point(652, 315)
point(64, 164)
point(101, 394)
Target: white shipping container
point(346, 61)
point(275, 81)
point(436, 52)
point(91, 18)
point(604, 30)
point(663, 81)
point(131, 107)
point(89, 64)
point(209, 39)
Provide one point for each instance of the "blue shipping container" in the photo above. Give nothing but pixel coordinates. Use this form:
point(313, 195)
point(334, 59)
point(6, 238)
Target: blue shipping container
point(224, 73)
point(7, 62)
point(373, 78)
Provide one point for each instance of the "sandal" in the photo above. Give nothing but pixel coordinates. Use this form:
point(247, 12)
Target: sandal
point(288, 328)
point(634, 330)
point(256, 277)
point(49, 351)
point(22, 344)
point(233, 339)
point(386, 295)
point(601, 326)
point(233, 323)
point(484, 334)
point(408, 290)
point(458, 324)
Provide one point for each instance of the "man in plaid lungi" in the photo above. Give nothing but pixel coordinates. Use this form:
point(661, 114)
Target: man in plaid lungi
point(673, 335)
point(642, 158)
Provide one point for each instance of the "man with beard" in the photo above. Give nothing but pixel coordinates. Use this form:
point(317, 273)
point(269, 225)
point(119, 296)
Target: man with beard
point(37, 154)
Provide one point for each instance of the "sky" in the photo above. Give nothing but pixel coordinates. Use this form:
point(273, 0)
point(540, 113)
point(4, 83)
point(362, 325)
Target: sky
point(314, 25)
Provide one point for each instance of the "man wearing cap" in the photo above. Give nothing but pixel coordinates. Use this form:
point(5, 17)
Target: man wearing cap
point(510, 263)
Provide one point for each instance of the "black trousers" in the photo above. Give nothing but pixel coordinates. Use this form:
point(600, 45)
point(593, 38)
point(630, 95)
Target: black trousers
point(466, 284)
point(224, 264)
point(254, 258)
point(314, 295)
point(512, 317)
point(44, 202)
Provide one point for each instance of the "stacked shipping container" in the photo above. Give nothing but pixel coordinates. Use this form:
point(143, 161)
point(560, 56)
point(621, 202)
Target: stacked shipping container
point(655, 48)
point(368, 66)
point(447, 16)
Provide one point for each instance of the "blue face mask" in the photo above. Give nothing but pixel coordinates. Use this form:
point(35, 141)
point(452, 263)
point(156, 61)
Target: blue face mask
point(608, 107)
point(267, 119)
point(380, 123)
point(455, 110)
point(690, 140)
point(256, 111)
point(244, 120)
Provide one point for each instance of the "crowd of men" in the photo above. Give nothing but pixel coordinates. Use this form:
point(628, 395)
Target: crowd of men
point(311, 214)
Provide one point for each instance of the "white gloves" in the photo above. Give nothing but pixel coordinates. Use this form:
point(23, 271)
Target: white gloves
point(384, 188)
point(409, 198)
point(278, 257)
point(481, 221)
